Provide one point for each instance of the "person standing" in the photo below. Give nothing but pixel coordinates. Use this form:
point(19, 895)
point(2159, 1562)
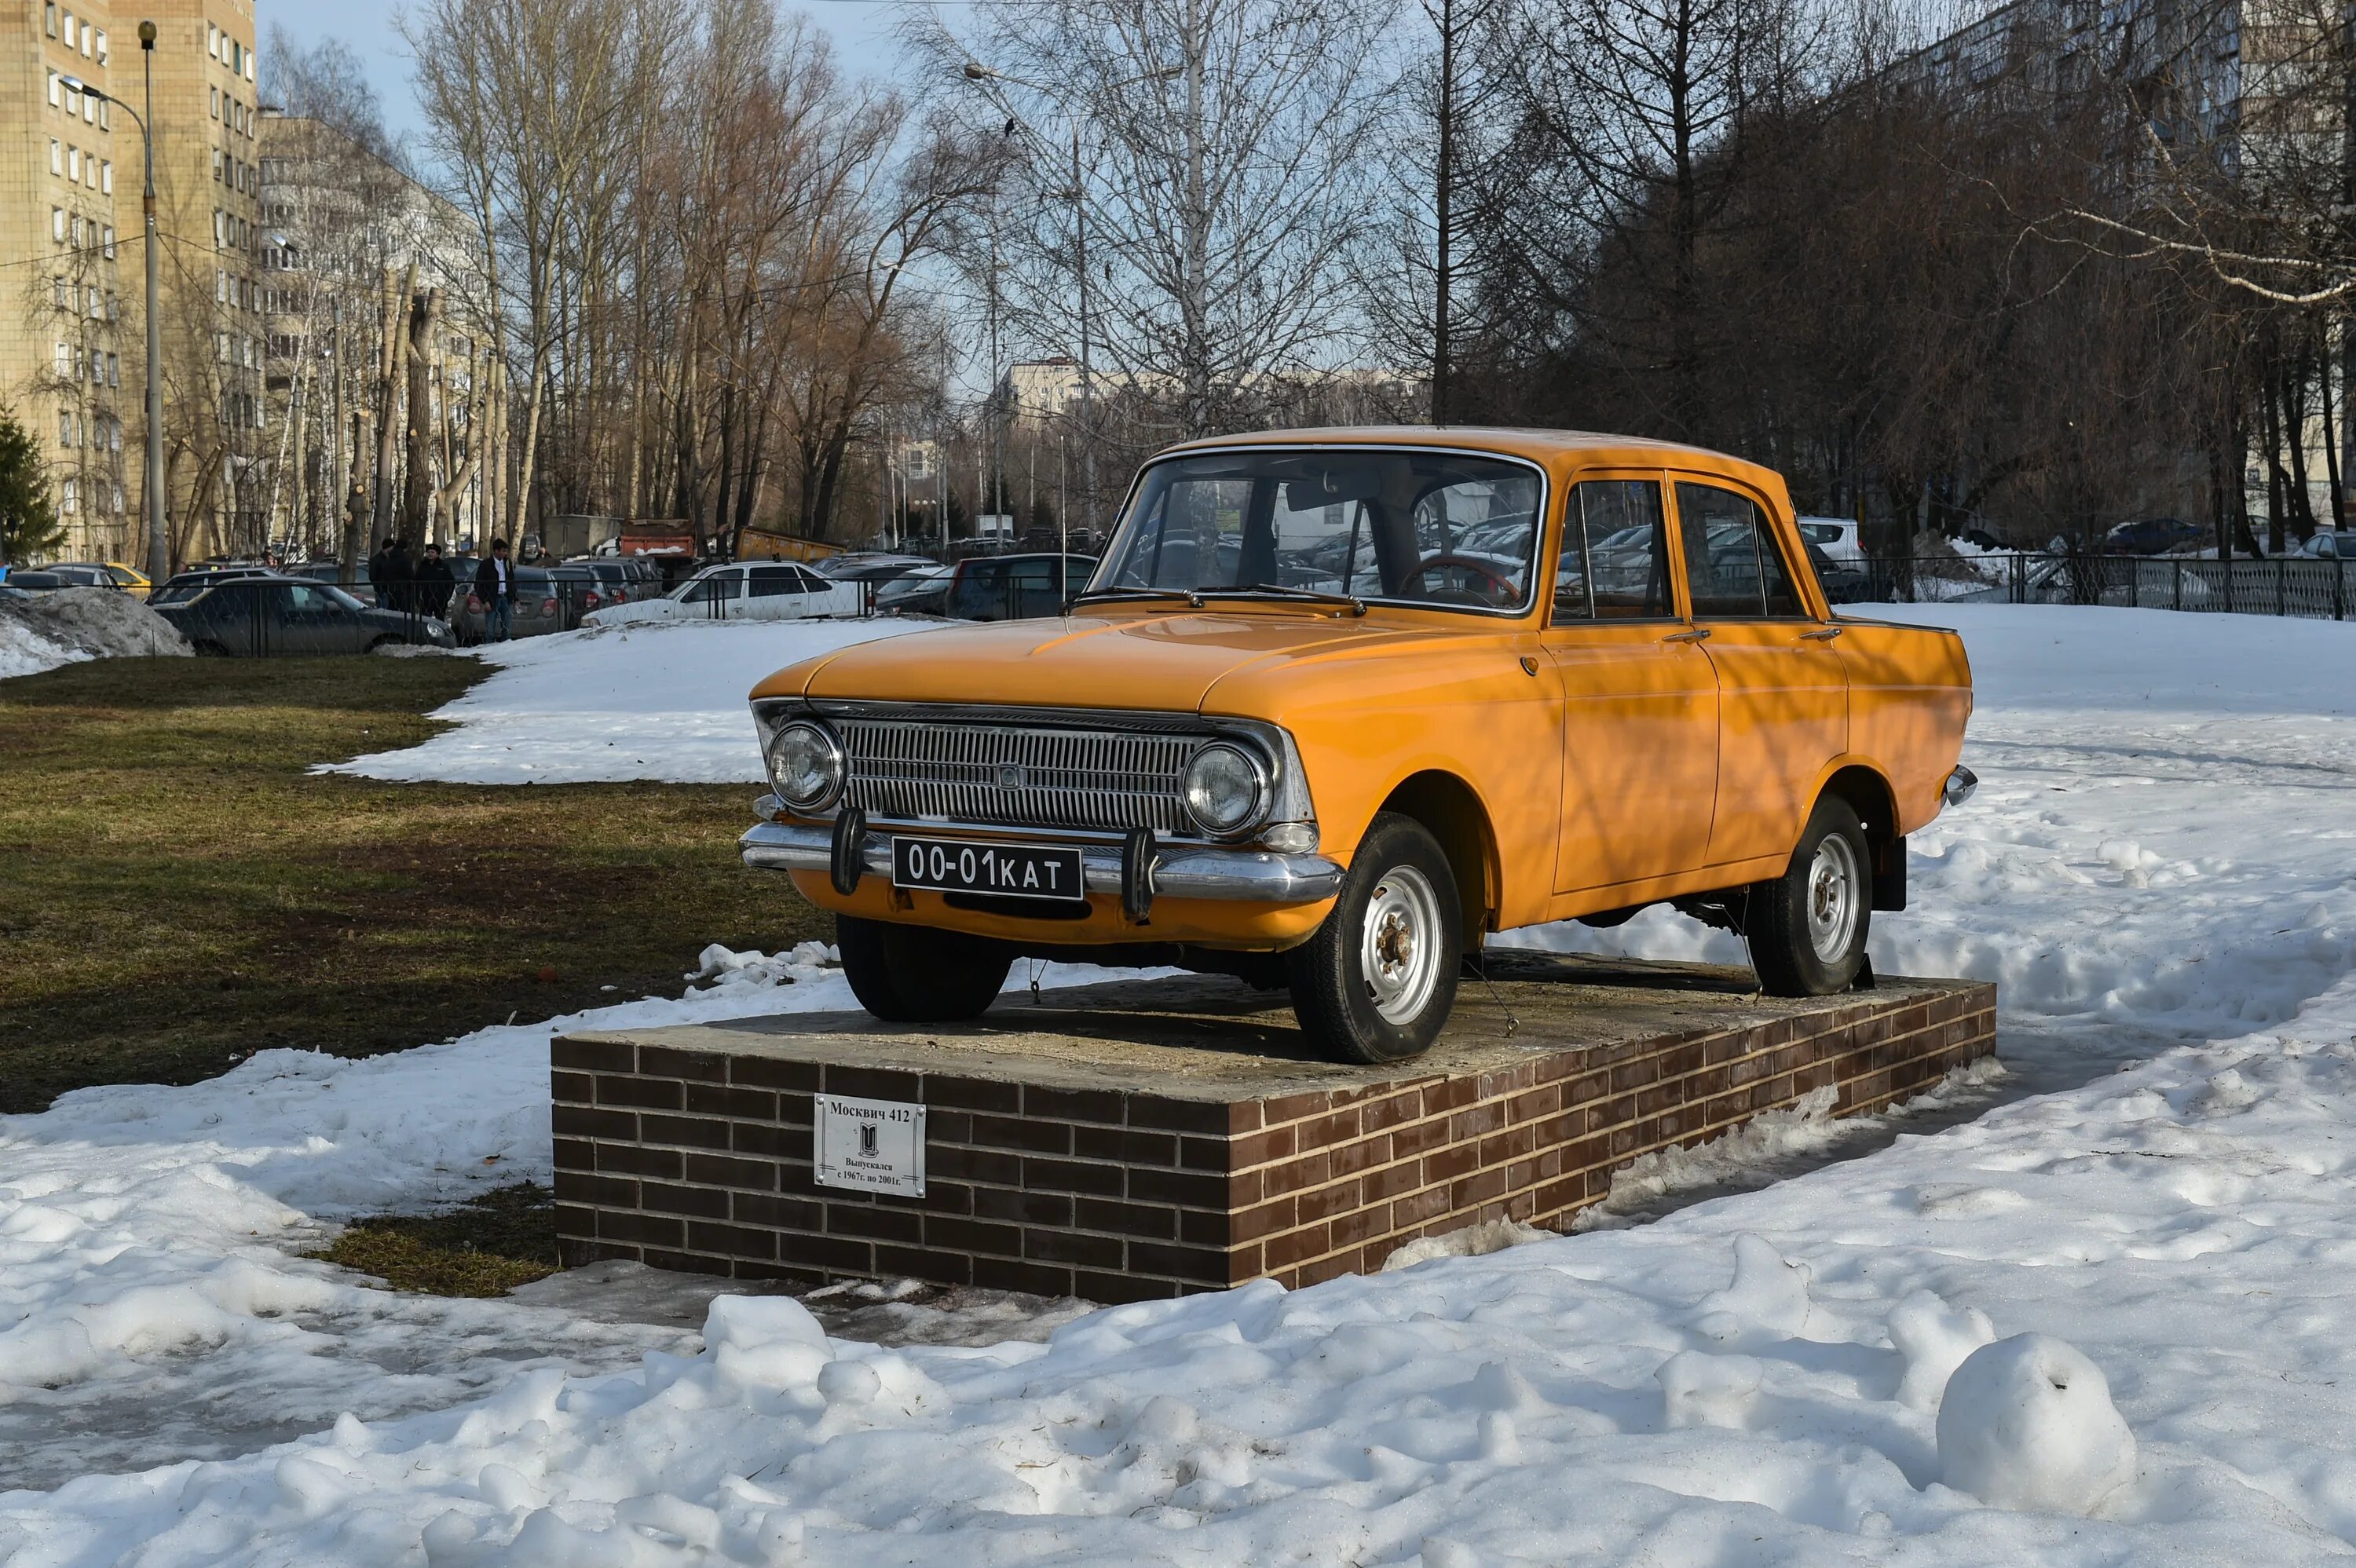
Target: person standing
point(434, 582)
point(395, 594)
point(380, 573)
point(495, 586)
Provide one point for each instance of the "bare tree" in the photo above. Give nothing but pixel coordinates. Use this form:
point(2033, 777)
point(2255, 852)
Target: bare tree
point(1222, 184)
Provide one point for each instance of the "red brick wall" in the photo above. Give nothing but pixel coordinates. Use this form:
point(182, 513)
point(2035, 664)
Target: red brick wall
point(695, 1160)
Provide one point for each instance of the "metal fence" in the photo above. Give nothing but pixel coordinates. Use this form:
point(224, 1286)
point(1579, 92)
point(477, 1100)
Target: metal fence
point(2320, 589)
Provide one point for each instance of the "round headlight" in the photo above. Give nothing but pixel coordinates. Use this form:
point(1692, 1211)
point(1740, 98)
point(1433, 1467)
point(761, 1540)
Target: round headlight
point(805, 765)
point(1226, 789)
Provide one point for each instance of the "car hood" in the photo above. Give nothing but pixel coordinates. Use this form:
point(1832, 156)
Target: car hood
point(1164, 663)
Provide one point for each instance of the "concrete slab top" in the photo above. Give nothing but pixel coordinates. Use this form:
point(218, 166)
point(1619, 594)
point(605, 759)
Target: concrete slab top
point(1211, 1039)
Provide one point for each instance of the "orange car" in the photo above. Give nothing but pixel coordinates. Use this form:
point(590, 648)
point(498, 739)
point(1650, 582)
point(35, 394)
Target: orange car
point(1338, 703)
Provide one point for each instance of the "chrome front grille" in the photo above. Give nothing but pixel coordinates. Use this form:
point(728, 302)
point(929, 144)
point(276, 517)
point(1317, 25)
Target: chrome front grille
point(983, 773)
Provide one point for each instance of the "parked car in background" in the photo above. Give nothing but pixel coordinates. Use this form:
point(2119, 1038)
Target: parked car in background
point(2330, 544)
point(2153, 536)
point(1345, 791)
point(743, 590)
point(183, 586)
point(538, 607)
point(870, 567)
point(103, 574)
point(362, 587)
point(28, 580)
point(82, 574)
point(1844, 581)
point(254, 616)
point(1014, 587)
point(619, 581)
point(1838, 537)
point(925, 592)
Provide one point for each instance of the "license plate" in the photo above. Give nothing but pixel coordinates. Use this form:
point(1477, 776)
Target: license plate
point(966, 865)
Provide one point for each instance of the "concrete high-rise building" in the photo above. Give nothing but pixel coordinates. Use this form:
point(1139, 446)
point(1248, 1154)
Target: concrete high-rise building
point(73, 338)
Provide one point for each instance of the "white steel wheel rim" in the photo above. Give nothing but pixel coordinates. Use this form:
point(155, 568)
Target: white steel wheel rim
point(1831, 893)
point(1398, 944)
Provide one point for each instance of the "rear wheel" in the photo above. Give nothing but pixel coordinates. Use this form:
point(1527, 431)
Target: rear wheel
point(1807, 927)
point(914, 975)
point(1379, 979)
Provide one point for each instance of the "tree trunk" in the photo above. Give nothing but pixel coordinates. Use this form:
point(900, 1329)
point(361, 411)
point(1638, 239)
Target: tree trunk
point(417, 480)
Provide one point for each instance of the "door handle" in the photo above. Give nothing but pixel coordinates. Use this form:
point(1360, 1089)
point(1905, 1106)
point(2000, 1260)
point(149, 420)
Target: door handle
point(1821, 634)
point(1697, 634)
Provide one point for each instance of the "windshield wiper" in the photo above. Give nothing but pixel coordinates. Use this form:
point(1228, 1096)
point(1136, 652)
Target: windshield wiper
point(1355, 605)
point(1194, 597)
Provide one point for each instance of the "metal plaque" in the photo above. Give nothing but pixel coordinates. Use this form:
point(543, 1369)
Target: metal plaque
point(870, 1146)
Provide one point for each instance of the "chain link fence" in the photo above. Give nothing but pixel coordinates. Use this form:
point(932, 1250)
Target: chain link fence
point(2321, 589)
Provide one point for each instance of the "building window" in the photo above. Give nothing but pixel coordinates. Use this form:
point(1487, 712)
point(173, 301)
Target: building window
point(101, 45)
point(58, 289)
point(105, 116)
point(65, 428)
point(70, 495)
point(58, 224)
point(212, 40)
point(106, 176)
point(215, 92)
point(109, 242)
point(73, 163)
point(50, 18)
point(70, 29)
point(114, 378)
point(56, 91)
point(220, 160)
point(90, 111)
point(57, 156)
point(65, 361)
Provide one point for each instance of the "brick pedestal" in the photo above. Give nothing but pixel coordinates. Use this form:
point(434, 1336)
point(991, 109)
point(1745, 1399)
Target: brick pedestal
point(1149, 1139)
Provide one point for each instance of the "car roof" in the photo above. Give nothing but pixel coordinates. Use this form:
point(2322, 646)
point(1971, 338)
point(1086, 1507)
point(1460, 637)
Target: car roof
point(1553, 448)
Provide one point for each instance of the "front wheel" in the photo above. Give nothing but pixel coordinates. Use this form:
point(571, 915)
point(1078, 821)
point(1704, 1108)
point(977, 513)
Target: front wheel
point(1379, 979)
point(914, 975)
point(1807, 927)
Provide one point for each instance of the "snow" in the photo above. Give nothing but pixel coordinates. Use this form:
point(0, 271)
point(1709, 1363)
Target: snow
point(1868, 1361)
point(68, 625)
point(2028, 1423)
point(610, 703)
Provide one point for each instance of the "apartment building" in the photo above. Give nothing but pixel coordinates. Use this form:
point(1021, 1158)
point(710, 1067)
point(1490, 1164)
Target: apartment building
point(73, 330)
point(342, 227)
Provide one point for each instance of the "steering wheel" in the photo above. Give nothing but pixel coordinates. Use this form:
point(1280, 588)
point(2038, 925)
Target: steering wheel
point(1477, 581)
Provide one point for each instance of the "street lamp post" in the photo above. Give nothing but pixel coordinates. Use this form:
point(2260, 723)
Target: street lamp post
point(975, 71)
point(159, 549)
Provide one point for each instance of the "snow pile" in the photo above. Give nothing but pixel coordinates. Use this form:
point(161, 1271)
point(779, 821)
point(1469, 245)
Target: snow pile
point(146, 1233)
point(2028, 1423)
point(70, 625)
point(661, 702)
point(1738, 1374)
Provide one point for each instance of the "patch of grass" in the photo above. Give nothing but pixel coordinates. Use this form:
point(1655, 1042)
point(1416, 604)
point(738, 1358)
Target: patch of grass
point(177, 891)
point(488, 1246)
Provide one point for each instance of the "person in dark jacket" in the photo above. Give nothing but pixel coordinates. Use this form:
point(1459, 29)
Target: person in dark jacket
point(495, 586)
point(380, 573)
point(431, 589)
point(398, 594)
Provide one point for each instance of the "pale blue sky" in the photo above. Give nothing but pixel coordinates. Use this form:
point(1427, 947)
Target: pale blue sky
point(860, 29)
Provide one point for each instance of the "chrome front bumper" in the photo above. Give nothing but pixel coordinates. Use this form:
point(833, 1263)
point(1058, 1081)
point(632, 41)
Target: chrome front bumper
point(1179, 872)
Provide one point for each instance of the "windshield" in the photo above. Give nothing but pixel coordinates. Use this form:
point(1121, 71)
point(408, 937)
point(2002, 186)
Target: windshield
point(1449, 530)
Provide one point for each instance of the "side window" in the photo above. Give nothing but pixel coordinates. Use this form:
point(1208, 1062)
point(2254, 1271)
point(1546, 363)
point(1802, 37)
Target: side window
point(981, 588)
point(769, 582)
point(1733, 568)
point(714, 590)
point(1615, 554)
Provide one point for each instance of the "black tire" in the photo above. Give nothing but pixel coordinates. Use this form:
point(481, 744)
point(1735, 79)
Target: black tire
point(1807, 927)
point(915, 975)
point(384, 642)
point(1400, 882)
